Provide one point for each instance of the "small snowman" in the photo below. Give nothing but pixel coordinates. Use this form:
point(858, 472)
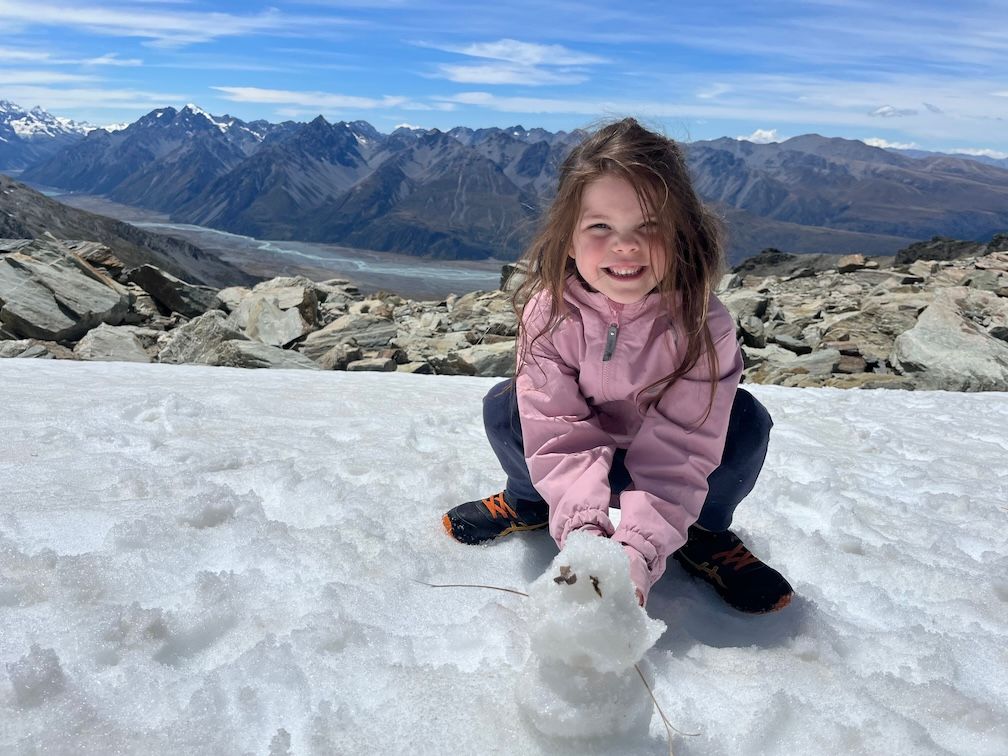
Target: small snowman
point(588, 637)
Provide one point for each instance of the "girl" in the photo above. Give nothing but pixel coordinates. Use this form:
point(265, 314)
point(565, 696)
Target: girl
point(626, 387)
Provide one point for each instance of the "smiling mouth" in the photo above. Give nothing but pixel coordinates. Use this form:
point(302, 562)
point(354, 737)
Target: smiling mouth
point(625, 273)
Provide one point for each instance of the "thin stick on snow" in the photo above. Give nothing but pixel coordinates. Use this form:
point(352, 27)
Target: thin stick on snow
point(669, 728)
point(472, 585)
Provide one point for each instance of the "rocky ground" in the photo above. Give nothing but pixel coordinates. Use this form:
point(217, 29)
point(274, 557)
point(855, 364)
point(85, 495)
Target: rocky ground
point(847, 322)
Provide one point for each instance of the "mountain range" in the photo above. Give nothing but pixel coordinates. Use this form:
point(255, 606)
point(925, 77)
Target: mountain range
point(474, 194)
point(28, 214)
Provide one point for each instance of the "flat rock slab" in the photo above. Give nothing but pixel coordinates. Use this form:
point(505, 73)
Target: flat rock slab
point(951, 347)
point(50, 294)
point(254, 354)
point(111, 344)
point(196, 340)
point(173, 293)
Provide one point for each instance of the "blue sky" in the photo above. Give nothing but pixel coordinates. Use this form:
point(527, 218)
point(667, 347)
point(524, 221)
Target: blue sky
point(932, 75)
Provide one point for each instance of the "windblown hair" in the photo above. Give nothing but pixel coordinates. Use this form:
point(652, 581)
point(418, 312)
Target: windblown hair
point(655, 167)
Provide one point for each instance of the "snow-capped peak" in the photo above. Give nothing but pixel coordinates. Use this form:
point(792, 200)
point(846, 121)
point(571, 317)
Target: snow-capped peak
point(28, 124)
point(220, 123)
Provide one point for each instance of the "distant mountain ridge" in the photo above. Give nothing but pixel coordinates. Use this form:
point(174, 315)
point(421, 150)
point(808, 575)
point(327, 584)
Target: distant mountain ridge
point(476, 193)
point(27, 214)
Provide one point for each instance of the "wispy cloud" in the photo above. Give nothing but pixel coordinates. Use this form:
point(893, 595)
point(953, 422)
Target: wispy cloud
point(309, 100)
point(525, 53)
point(166, 27)
point(713, 91)
point(888, 111)
point(12, 76)
point(25, 56)
point(887, 145)
point(996, 154)
point(46, 58)
point(517, 63)
point(112, 59)
point(59, 99)
point(506, 73)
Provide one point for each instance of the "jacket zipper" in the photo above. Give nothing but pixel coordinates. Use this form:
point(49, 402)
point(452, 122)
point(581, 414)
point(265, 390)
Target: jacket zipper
point(612, 334)
point(610, 342)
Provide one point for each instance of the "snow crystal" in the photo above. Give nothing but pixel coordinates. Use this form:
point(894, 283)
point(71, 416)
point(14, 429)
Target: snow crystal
point(36, 676)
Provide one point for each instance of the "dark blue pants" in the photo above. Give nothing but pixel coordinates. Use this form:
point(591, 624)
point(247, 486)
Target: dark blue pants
point(744, 452)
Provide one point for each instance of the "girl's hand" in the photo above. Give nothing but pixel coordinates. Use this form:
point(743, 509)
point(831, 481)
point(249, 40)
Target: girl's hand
point(639, 573)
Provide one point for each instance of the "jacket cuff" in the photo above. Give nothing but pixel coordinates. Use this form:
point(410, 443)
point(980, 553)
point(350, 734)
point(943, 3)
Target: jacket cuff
point(585, 519)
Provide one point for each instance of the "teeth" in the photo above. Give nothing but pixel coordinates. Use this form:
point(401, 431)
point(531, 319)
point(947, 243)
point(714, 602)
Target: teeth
point(625, 271)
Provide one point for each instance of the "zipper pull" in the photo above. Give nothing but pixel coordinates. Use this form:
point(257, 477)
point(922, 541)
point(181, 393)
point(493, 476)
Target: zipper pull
point(610, 342)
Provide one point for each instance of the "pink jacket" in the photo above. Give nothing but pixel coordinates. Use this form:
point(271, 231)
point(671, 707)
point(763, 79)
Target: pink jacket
point(576, 398)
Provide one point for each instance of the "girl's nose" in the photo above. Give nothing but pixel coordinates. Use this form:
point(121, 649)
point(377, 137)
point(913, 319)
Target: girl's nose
point(626, 243)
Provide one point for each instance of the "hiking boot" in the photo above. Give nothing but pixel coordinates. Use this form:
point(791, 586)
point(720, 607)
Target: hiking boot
point(733, 571)
point(493, 517)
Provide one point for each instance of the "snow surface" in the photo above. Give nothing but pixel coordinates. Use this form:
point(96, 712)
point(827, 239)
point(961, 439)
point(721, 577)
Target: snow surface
point(216, 561)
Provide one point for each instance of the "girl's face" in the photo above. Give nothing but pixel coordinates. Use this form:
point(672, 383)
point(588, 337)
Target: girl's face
point(615, 248)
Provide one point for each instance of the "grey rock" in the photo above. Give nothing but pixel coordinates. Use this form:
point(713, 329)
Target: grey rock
point(255, 354)
point(111, 344)
point(491, 359)
point(266, 322)
point(232, 296)
point(753, 332)
point(48, 293)
point(197, 340)
point(744, 303)
point(366, 330)
point(948, 349)
point(25, 349)
point(419, 368)
point(173, 293)
point(339, 357)
point(728, 281)
point(450, 364)
point(872, 331)
point(294, 292)
point(850, 263)
point(373, 364)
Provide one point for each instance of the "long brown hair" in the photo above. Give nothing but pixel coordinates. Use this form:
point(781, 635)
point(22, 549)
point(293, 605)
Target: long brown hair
point(655, 167)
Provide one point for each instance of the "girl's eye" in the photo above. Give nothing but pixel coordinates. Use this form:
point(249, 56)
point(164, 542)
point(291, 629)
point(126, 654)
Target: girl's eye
point(599, 225)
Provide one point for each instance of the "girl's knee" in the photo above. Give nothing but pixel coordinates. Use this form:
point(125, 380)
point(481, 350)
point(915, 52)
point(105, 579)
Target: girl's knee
point(751, 420)
point(499, 405)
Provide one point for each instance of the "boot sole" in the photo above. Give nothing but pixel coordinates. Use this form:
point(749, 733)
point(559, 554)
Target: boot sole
point(450, 530)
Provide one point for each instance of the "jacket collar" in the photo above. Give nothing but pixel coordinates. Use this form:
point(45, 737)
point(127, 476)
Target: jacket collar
point(578, 293)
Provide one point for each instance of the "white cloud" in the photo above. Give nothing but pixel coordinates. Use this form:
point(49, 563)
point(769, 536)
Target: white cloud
point(715, 90)
point(761, 136)
point(28, 56)
point(933, 108)
point(887, 145)
point(168, 27)
point(55, 100)
point(521, 63)
point(508, 73)
point(888, 111)
point(13, 76)
point(112, 59)
point(526, 53)
point(979, 152)
point(309, 100)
